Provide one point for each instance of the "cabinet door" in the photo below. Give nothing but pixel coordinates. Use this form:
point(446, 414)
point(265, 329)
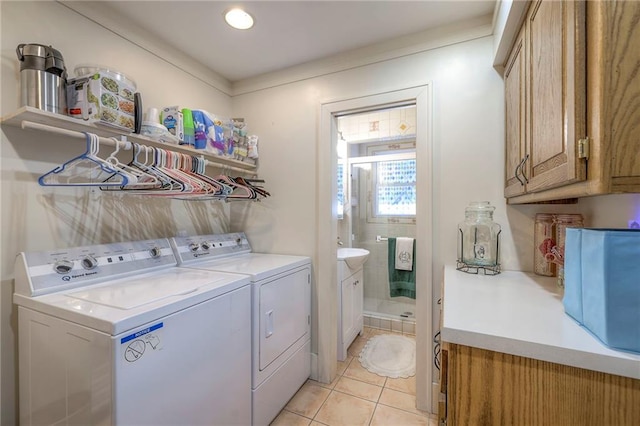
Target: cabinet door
point(347, 308)
point(515, 109)
point(556, 93)
point(358, 299)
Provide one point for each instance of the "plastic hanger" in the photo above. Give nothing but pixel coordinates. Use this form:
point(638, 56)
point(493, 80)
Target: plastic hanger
point(239, 191)
point(249, 182)
point(139, 178)
point(86, 169)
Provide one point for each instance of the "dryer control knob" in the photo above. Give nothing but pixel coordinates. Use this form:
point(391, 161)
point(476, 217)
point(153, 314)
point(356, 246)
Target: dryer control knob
point(205, 246)
point(194, 247)
point(89, 262)
point(63, 266)
point(155, 252)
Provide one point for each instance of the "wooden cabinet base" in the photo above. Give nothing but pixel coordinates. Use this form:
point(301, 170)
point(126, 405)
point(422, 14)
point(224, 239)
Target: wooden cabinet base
point(492, 388)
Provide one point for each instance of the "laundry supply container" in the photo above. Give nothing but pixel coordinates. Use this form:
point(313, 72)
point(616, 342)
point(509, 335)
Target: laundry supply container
point(602, 284)
point(104, 95)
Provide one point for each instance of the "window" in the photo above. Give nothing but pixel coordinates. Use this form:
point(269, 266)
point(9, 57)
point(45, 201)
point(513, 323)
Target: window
point(392, 185)
point(341, 188)
point(395, 188)
point(381, 145)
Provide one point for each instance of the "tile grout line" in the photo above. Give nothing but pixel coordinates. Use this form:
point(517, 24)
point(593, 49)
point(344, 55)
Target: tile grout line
point(365, 336)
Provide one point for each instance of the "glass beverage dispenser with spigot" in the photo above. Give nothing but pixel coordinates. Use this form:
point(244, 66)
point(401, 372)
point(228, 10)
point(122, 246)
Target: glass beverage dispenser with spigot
point(478, 240)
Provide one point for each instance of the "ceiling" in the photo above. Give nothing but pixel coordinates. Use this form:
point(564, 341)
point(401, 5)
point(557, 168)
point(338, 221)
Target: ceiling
point(287, 33)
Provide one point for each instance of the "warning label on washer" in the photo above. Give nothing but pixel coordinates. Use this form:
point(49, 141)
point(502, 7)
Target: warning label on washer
point(142, 342)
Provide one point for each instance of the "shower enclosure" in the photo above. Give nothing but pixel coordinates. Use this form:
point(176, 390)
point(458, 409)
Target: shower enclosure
point(377, 201)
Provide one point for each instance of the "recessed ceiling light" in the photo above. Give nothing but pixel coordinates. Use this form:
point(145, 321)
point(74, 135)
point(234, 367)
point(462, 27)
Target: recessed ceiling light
point(239, 19)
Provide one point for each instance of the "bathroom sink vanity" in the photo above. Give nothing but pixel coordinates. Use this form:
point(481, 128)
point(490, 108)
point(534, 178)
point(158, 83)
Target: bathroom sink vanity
point(350, 297)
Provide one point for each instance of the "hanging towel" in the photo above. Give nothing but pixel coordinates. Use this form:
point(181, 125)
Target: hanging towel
point(401, 283)
point(404, 254)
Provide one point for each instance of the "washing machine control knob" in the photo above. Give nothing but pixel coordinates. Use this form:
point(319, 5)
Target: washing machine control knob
point(89, 262)
point(194, 247)
point(205, 245)
point(63, 266)
point(155, 252)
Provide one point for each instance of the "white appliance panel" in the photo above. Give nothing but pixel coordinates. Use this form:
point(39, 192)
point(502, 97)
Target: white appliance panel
point(186, 368)
point(283, 314)
point(195, 361)
point(270, 397)
point(65, 372)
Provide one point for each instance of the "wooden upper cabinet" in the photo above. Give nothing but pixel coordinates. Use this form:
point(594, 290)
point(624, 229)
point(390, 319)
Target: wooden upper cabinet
point(545, 99)
point(618, 100)
point(515, 95)
point(556, 94)
point(578, 62)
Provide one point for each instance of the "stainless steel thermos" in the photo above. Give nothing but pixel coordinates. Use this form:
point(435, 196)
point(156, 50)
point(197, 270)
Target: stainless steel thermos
point(43, 78)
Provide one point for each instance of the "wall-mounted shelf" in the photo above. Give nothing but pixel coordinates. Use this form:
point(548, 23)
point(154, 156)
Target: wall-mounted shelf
point(34, 115)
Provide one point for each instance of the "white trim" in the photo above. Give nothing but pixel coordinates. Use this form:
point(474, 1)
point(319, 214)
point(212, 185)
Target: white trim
point(509, 15)
point(385, 157)
point(326, 265)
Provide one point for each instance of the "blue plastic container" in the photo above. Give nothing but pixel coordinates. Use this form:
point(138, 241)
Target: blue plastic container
point(573, 274)
point(609, 284)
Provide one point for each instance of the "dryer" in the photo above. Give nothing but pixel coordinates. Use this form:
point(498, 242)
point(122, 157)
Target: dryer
point(281, 313)
point(117, 334)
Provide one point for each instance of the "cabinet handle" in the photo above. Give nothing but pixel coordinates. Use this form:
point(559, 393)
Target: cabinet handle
point(516, 173)
point(526, 157)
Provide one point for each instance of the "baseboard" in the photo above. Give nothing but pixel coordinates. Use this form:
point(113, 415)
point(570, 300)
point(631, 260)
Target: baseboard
point(314, 367)
point(435, 396)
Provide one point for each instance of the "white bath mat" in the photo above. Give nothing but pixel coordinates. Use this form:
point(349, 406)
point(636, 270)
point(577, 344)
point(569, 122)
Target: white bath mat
point(390, 355)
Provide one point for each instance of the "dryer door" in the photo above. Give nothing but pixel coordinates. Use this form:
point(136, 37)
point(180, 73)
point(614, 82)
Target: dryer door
point(284, 313)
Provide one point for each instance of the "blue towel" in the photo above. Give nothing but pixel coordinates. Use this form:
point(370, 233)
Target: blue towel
point(401, 283)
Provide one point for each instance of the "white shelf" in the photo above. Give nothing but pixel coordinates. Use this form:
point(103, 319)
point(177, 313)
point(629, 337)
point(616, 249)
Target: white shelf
point(35, 115)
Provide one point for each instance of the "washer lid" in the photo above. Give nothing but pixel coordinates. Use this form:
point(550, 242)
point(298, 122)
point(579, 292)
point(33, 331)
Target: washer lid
point(119, 305)
point(258, 265)
point(138, 292)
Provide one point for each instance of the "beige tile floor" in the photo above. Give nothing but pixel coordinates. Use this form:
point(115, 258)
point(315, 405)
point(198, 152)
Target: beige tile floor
point(356, 397)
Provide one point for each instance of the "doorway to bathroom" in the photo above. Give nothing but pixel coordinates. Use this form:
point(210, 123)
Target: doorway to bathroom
point(387, 162)
point(377, 200)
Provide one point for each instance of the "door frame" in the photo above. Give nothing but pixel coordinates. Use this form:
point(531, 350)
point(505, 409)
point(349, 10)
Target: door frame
point(326, 228)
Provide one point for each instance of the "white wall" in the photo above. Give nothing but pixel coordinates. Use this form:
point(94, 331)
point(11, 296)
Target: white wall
point(35, 218)
point(467, 133)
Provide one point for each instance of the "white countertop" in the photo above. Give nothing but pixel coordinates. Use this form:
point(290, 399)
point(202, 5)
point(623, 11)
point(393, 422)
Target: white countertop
point(522, 314)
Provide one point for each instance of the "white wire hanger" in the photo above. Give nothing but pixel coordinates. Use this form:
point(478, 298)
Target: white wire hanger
point(141, 179)
point(86, 169)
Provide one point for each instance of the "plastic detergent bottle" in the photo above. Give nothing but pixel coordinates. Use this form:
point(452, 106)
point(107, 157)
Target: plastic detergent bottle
point(189, 128)
point(172, 119)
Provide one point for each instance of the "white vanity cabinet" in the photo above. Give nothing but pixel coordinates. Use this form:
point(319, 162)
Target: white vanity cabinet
point(350, 304)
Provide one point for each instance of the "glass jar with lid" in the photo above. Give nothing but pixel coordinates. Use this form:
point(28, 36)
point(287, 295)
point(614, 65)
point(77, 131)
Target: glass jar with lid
point(478, 238)
point(544, 240)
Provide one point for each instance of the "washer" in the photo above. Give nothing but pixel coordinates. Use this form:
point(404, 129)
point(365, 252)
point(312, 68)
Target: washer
point(281, 313)
point(117, 334)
